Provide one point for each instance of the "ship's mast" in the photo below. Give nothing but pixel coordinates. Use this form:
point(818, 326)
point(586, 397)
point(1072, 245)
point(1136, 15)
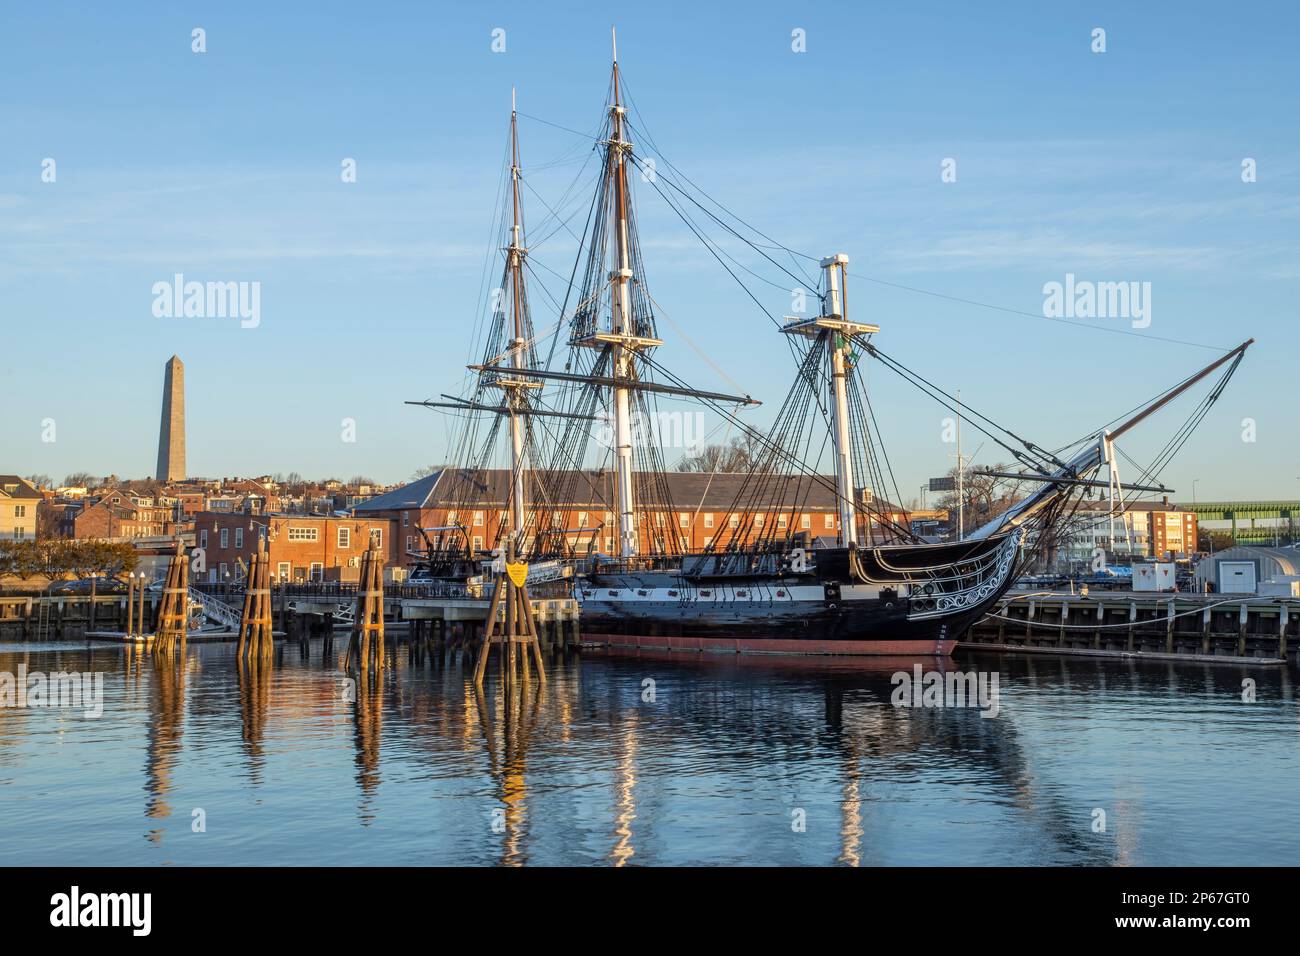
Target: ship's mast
point(834, 324)
point(514, 384)
point(515, 265)
point(834, 267)
point(621, 326)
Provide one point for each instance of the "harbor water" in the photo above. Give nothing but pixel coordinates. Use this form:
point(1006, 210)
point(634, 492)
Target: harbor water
point(644, 760)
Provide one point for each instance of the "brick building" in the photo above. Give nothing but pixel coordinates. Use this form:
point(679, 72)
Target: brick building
point(301, 547)
point(705, 514)
point(122, 512)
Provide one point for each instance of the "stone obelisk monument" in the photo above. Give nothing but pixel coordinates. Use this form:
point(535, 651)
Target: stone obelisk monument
point(171, 434)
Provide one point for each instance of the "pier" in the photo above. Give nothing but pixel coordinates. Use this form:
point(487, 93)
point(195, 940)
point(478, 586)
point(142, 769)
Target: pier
point(1215, 627)
point(1200, 627)
point(298, 610)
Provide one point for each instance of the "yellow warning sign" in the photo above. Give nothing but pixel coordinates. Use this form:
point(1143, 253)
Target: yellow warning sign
point(518, 574)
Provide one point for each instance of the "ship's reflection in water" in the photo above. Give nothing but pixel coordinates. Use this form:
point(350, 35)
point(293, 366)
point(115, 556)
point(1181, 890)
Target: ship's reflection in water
point(647, 759)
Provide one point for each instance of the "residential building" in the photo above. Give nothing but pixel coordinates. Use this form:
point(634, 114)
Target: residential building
point(1143, 529)
point(122, 512)
point(19, 501)
point(301, 548)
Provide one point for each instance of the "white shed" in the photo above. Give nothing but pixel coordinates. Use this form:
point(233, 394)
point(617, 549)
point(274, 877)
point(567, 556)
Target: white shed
point(1242, 570)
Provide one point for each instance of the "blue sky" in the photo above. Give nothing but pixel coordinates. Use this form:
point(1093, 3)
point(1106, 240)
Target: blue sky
point(1121, 166)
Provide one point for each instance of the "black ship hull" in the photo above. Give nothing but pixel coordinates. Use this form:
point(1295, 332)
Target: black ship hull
point(916, 600)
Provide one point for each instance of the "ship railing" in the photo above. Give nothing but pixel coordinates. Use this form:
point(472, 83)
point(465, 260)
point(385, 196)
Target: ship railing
point(977, 571)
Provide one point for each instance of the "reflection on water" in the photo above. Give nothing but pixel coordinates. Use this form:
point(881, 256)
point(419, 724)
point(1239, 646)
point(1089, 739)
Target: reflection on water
point(730, 761)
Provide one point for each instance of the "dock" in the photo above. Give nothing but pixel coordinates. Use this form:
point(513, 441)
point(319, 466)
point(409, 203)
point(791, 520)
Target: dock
point(1219, 628)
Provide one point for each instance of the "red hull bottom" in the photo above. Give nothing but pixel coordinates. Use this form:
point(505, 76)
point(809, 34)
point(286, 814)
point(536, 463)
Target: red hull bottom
point(758, 645)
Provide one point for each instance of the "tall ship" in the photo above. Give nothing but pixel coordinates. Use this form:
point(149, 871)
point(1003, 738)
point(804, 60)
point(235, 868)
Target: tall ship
point(587, 495)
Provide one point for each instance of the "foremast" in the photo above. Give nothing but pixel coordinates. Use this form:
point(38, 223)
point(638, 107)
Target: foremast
point(515, 388)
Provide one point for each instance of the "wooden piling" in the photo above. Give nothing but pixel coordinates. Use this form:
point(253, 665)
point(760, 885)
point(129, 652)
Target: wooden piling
point(130, 604)
point(518, 631)
point(173, 614)
point(366, 646)
point(256, 634)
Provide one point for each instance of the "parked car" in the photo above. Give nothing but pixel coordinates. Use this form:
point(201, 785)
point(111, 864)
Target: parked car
point(87, 585)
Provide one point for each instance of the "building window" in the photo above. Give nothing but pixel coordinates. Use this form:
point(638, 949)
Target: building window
point(781, 521)
point(239, 537)
point(377, 535)
point(224, 572)
point(344, 538)
point(708, 519)
point(20, 511)
point(582, 519)
point(225, 538)
point(556, 520)
point(408, 542)
point(317, 571)
point(451, 517)
point(295, 534)
point(478, 543)
point(284, 570)
point(733, 521)
point(659, 519)
point(609, 545)
point(758, 521)
point(684, 520)
point(708, 541)
point(406, 519)
point(685, 543)
point(478, 519)
point(829, 521)
point(805, 521)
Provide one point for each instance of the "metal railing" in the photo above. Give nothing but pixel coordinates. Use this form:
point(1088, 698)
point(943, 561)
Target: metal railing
point(215, 610)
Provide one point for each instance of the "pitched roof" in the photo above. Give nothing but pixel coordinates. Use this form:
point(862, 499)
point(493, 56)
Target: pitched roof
point(687, 490)
point(12, 486)
point(414, 495)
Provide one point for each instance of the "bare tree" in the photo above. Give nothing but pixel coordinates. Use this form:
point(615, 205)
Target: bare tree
point(984, 496)
point(740, 454)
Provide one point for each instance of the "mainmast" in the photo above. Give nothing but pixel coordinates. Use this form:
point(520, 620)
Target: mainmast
point(620, 325)
point(840, 332)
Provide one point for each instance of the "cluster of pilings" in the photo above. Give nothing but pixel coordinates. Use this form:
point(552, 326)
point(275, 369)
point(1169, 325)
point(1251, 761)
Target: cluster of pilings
point(366, 646)
point(510, 625)
point(256, 636)
point(137, 615)
point(174, 612)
